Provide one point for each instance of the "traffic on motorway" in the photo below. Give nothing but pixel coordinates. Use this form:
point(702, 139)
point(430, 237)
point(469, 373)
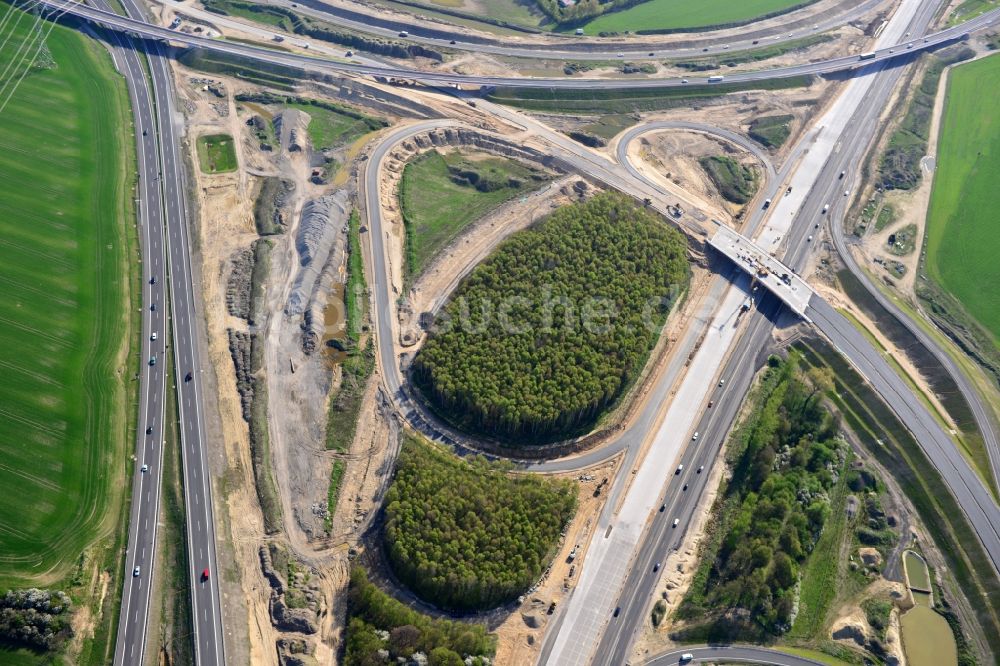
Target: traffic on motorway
point(599, 621)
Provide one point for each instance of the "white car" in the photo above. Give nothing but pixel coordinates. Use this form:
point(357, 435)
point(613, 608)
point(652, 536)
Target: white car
point(677, 521)
point(153, 336)
point(145, 468)
point(686, 657)
point(135, 572)
point(695, 438)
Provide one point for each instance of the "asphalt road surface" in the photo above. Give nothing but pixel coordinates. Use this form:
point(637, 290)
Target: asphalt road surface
point(144, 514)
point(164, 231)
point(724, 654)
point(554, 46)
point(900, 52)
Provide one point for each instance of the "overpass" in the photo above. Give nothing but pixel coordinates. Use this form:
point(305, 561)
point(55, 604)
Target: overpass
point(764, 269)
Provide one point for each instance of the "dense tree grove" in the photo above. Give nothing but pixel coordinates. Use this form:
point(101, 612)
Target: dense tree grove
point(552, 328)
point(774, 508)
point(465, 535)
point(381, 629)
point(38, 619)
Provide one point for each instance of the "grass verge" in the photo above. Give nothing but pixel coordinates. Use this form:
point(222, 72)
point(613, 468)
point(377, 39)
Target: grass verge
point(889, 442)
point(632, 100)
point(216, 153)
point(442, 193)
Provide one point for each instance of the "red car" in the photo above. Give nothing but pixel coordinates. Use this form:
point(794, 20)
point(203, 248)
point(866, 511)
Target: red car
point(204, 574)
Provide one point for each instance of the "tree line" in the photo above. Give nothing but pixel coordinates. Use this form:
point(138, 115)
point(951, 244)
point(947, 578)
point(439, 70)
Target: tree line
point(548, 332)
point(381, 629)
point(788, 458)
point(466, 535)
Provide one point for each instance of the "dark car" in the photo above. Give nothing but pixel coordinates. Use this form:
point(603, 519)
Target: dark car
point(152, 308)
point(187, 377)
point(149, 430)
point(618, 610)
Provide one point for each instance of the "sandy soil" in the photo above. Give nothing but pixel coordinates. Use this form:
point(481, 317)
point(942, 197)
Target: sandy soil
point(519, 637)
point(225, 225)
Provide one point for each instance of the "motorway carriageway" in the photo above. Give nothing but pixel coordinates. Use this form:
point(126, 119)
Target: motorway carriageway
point(892, 52)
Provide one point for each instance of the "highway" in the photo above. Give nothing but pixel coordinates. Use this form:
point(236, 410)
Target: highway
point(849, 145)
point(794, 248)
point(841, 64)
point(145, 499)
point(164, 235)
point(441, 36)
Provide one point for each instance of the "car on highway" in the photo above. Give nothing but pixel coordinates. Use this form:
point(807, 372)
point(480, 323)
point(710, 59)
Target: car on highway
point(685, 487)
point(149, 430)
point(136, 572)
point(152, 280)
point(686, 657)
point(651, 54)
point(680, 468)
point(204, 574)
point(722, 382)
point(810, 239)
point(662, 507)
point(453, 42)
point(677, 521)
point(695, 437)
point(153, 336)
point(684, 80)
point(846, 192)
point(152, 307)
point(404, 33)
point(152, 360)
point(618, 611)
point(621, 55)
point(656, 567)
point(145, 468)
point(187, 377)
point(145, 132)
point(842, 174)
point(701, 468)
point(711, 403)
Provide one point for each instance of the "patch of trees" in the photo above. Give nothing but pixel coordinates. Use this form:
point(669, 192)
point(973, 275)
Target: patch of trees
point(736, 182)
point(547, 333)
point(466, 535)
point(381, 630)
point(786, 460)
point(587, 139)
point(899, 168)
point(38, 619)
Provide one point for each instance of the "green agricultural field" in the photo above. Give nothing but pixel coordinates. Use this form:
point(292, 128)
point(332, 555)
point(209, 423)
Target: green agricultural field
point(962, 243)
point(66, 175)
point(216, 153)
point(438, 201)
point(676, 15)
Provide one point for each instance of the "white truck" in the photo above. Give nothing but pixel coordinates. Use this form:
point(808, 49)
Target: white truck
point(715, 79)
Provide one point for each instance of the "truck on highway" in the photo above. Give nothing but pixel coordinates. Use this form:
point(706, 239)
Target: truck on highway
point(715, 79)
point(867, 56)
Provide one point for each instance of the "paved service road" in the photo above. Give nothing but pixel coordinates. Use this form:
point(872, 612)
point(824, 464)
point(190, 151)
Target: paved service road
point(730, 653)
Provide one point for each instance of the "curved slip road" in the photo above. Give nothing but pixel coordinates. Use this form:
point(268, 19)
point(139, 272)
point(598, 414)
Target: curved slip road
point(730, 653)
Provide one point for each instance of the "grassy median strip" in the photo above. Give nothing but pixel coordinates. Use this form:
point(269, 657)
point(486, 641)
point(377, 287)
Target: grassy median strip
point(630, 100)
